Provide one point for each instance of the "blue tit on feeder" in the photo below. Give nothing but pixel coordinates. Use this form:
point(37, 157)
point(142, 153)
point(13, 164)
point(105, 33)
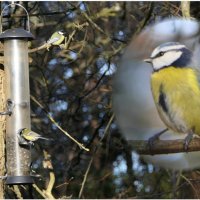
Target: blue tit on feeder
point(26, 135)
point(57, 38)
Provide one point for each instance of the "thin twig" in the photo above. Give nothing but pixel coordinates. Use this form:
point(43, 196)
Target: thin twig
point(85, 178)
point(58, 126)
point(107, 127)
point(190, 183)
point(144, 21)
point(91, 160)
point(94, 24)
point(17, 191)
point(39, 191)
point(67, 43)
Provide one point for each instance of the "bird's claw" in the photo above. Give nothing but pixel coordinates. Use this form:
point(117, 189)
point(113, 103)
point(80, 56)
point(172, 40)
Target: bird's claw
point(152, 140)
point(187, 141)
point(48, 46)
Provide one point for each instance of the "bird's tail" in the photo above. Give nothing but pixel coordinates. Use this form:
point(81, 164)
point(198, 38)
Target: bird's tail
point(43, 138)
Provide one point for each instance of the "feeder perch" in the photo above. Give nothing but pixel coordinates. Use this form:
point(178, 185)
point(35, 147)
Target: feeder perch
point(18, 158)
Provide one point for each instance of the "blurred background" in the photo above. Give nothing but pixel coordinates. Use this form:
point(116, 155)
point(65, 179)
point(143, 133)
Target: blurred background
point(101, 72)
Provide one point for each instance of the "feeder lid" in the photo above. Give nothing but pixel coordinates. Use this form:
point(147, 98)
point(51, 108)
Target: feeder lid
point(16, 33)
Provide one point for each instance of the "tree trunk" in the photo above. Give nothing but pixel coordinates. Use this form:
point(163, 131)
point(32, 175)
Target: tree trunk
point(2, 131)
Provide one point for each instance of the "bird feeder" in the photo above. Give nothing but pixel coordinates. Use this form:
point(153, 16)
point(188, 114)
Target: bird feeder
point(16, 65)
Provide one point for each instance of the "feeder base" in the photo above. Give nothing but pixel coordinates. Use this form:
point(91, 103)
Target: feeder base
point(14, 180)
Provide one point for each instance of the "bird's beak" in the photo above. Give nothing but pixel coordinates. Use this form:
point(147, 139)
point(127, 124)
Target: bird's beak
point(148, 60)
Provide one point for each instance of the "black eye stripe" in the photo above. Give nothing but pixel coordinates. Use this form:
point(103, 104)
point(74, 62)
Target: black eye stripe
point(183, 61)
point(161, 53)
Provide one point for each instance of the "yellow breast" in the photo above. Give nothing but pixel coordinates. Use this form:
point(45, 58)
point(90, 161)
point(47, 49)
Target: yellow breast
point(177, 97)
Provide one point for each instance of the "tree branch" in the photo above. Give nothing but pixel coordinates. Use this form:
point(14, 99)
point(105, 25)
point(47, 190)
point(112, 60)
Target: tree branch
point(164, 146)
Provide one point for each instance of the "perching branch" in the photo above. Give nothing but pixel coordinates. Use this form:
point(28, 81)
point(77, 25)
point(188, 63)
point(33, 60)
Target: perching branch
point(44, 46)
point(164, 146)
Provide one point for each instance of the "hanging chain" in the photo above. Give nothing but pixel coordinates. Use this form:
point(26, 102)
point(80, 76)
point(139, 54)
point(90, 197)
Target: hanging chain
point(12, 5)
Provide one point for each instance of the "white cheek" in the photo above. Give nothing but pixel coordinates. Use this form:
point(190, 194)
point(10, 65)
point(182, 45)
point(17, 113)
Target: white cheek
point(157, 64)
point(166, 60)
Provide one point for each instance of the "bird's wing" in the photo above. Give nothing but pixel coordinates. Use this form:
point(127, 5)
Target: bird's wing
point(32, 133)
point(52, 40)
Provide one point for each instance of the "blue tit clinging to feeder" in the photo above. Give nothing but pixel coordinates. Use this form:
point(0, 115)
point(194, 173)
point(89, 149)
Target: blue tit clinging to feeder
point(30, 136)
point(176, 88)
point(57, 38)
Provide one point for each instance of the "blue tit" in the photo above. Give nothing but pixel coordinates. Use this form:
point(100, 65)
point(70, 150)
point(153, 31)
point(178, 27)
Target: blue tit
point(175, 85)
point(30, 136)
point(57, 38)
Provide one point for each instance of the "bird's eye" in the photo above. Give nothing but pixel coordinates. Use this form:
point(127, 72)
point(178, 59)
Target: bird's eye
point(161, 53)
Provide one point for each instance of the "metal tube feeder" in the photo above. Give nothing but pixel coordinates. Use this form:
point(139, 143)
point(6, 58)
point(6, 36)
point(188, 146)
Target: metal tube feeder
point(18, 157)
